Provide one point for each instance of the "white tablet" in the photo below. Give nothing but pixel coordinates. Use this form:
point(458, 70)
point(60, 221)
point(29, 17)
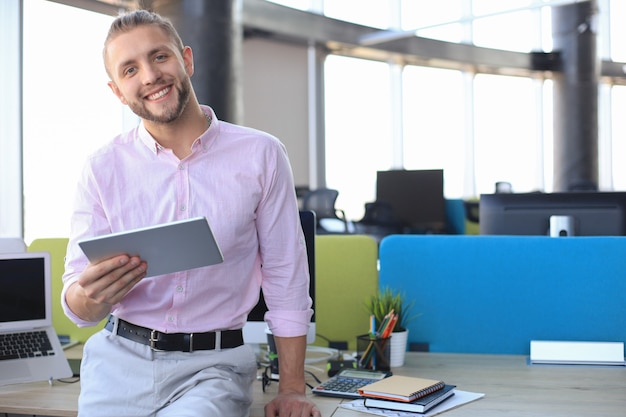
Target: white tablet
point(166, 248)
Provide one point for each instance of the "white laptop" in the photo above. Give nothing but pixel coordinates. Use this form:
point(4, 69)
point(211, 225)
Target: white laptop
point(26, 312)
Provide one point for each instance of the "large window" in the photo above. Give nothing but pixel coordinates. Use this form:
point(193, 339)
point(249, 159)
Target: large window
point(433, 21)
point(508, 144)
point(434, 124)
point(480, 128)
point(68, 109)
point(618, 134)
point(517, 29)
point(358, 129)
point(374, 13)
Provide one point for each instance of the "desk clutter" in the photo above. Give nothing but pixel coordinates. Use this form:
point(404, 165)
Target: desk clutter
point(401, 388)
point(374, 389)
point(346, 383)
point(373, 350)
point(406, 393)
point(379, 392)
point(419, 405)
point(449, 399)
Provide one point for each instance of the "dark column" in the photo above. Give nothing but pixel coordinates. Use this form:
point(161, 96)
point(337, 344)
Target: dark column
point(213, 30)
point(576, 97)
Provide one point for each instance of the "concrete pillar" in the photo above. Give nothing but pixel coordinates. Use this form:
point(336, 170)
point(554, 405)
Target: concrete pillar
point(576, 97)
point(214, 31)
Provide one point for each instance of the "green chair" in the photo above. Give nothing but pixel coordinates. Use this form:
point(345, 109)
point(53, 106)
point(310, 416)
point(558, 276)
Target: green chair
point(346, 276)
point(472, 226)
point(57, 248)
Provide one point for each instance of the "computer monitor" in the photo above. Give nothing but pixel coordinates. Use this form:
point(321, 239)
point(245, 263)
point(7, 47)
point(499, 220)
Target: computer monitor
point(255, 330)
point(416, 197)
point(583, 214)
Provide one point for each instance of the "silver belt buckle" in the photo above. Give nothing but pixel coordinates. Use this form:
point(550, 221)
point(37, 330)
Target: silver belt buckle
point(153, 339)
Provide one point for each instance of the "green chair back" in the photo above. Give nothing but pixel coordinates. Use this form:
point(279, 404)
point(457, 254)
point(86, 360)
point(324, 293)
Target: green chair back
point(57, 248)
point(346, 276)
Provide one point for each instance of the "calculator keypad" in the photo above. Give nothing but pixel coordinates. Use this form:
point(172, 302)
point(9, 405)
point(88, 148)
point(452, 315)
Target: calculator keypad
point(342, 387)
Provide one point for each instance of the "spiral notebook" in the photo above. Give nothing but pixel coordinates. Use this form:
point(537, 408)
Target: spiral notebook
point(421, 405)
point(401, 388)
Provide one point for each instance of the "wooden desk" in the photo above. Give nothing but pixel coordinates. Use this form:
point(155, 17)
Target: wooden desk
point(512, 387)
point(509, 384)
point(41, 399)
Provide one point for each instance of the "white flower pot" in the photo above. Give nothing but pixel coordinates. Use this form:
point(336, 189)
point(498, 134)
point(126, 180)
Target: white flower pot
point(397, 348)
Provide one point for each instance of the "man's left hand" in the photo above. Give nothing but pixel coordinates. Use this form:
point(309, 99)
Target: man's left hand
point(291, 405)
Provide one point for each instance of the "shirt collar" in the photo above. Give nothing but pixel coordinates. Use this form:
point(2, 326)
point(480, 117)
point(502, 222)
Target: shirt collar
point(202, 141)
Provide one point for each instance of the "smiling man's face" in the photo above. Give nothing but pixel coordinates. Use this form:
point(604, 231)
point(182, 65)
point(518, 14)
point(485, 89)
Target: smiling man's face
point(149, 73)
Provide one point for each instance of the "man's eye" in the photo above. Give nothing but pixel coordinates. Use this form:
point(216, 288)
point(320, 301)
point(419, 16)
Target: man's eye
point(160, 57)
point(129, 71)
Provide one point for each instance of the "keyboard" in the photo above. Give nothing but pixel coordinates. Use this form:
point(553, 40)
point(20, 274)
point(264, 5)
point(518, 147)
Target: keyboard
point(347, 383)
point(25, 345)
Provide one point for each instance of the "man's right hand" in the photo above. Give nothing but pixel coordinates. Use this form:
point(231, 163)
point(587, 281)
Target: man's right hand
point(102, 285)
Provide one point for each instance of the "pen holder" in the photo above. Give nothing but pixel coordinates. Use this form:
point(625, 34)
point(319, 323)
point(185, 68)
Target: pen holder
point(373, 352)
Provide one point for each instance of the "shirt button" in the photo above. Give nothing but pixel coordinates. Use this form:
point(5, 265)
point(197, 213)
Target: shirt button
point(183, 207)
point(181, 167)
point(179, 288)
point(170, 319)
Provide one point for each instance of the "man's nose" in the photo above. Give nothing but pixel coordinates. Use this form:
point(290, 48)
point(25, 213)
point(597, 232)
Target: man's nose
point(151, 74)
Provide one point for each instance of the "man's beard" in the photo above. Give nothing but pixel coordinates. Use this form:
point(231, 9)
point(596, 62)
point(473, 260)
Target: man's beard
point(170, 114)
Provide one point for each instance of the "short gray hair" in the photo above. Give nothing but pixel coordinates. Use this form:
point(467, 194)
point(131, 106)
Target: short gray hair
point(131, 20)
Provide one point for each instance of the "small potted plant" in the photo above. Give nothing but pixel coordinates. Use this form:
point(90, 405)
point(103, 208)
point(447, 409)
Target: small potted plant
point(384, 302)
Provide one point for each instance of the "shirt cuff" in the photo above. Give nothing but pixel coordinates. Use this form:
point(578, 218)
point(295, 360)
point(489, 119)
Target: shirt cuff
point(289, 323)
point(68, 312)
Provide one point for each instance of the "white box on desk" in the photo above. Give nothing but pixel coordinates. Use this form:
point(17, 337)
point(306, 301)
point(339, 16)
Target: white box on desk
point(576, 353)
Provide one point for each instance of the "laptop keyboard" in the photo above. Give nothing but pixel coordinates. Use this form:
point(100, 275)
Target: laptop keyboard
point(25, 345)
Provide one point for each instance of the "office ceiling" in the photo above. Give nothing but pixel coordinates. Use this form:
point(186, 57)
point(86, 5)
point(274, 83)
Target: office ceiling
point(261, 18)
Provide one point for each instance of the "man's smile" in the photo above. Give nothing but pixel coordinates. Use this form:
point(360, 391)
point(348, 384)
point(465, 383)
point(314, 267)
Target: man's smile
point(159, 94)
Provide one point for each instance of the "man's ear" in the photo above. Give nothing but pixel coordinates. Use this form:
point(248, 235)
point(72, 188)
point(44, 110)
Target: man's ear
point(117, 92)
point(188, 60)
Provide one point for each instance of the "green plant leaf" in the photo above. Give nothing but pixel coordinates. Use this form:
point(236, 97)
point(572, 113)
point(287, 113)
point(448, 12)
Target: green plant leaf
point(387, 300)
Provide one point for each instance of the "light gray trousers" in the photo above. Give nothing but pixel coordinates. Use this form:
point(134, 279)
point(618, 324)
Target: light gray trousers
point(121, 378)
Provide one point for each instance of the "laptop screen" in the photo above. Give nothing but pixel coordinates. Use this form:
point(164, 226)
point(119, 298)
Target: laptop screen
point(23, 288)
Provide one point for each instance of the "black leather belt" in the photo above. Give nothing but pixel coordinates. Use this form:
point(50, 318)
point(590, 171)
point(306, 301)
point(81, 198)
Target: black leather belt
point(182, 342)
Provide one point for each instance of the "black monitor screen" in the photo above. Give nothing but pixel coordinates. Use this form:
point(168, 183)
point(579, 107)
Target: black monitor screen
point(416, 197)
point(23, 294)
point(307, 220)
point(576, 213)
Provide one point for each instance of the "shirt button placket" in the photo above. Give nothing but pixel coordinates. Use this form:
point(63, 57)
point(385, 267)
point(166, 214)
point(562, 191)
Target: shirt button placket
point(183, 189)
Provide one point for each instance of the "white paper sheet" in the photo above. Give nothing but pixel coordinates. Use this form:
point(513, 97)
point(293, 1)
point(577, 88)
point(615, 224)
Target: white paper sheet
point(458, 399)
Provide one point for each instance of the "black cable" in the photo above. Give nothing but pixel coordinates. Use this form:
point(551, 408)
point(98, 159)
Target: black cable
point(314, 376)
point(266, 379)
point(323, 337)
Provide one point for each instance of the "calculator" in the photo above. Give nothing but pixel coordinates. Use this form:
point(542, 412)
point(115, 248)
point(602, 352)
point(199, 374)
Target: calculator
point(347, 382)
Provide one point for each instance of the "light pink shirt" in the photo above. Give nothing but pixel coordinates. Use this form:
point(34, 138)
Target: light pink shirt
point(241, 181)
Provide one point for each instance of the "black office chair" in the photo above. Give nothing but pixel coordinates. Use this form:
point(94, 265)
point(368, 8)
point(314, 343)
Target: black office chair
point(322, 202)
point(379, 221)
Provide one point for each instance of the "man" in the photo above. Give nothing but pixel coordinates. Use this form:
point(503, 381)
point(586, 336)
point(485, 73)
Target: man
point(172, 345)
